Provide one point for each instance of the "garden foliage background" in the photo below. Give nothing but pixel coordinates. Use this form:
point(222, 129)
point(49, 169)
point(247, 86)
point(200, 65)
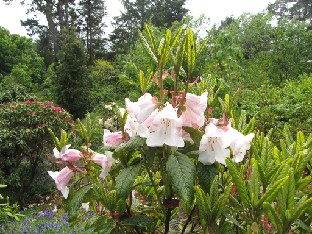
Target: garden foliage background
point(264, 67)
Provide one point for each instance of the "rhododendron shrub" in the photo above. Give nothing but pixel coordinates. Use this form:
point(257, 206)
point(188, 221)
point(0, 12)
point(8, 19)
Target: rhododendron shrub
point(173, 166)
point(25, 146)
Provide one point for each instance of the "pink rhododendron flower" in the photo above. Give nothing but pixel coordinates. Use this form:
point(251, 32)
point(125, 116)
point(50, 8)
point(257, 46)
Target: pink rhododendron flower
point(142, 108)
point(195, 106)
point(50, 103)
point(57, 109)
point(105, 161)
point(213, 145)
point(67, 154)
point(112, 138)
point(27, 102)
point(166, 128)
point(61, 179)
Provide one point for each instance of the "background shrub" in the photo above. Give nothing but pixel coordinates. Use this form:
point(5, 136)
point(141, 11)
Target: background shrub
point(25, 147)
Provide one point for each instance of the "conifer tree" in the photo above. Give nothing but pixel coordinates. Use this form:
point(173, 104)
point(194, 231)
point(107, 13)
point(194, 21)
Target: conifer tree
point(73, 81)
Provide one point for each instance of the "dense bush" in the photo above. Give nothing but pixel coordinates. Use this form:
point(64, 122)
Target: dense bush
point(25, 147)
point(274, 107)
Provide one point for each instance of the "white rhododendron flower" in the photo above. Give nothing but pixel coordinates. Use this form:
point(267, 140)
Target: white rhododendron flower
point(67, 154)
point(166, 128)
point(194, 113)
point(213, 146)
point(105, 161)
point(142, 108)
point(61, 179)
point(240, 143)
point(133, 127)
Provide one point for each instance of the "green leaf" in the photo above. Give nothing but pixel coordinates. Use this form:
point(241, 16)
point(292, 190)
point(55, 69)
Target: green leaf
point(181, 171)
point(164, 50)
point(238, 181)
point(250, 127)
point(219, 206)
point(151, 51)
point(125, 151)
point(76, 198)
point(177, 37)
point(214, 189)
point(56, 141)
point(125, 180)
point(272, 191)
point(206, 174)
point(254, 184)
point(202, 47)
point(151, 39)
point(196, 134)
point(191, 50)
point(300, 209)
point(103, 225)
point(140, 221)
point(273, 216)
point(203, 206)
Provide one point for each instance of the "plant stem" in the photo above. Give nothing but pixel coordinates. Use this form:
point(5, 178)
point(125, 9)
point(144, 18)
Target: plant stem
point(154, 184)
point(188, 220)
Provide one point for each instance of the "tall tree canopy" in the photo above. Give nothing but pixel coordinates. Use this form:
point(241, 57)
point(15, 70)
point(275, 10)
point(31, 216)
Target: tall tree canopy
point(84, 15)
point(300, 9)
point(138, 12)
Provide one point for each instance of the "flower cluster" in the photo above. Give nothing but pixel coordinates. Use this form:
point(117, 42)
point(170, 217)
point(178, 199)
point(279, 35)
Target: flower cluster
point(164, 126)
point(71, 156)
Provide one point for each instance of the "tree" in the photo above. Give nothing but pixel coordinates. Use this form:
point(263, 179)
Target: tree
point(300, 9)
point(165, 12)
point(91, 14)
point(126, 25)
point(20, 64)
point(139, 12)
point(73, 82)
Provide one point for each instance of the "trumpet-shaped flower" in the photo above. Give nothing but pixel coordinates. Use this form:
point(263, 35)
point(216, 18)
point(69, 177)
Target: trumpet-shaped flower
point(67, 154)
point(112, 138)
point(61, 179)
point(105, 161)
point(166, 128)
point(240, 143)
point(142, 108)
point(213, 146)
point(194, 113)
point(133, 127)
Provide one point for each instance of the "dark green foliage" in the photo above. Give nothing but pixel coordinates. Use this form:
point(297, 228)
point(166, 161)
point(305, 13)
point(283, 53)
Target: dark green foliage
point(73, 80)
point(139, 12)
point(91, 14)
point(25, 147)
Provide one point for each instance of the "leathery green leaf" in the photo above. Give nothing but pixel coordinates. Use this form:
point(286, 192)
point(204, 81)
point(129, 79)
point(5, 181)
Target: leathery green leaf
point(181, 171)
point(125, 180)
point(238, 181)
point(272, 191)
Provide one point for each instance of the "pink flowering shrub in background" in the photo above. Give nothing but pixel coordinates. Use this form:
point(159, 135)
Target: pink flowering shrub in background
point(25, 146)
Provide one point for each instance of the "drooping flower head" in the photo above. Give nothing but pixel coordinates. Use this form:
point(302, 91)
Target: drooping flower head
point(166, 128)
point(112, 138)
point(213, 145)
point(240, 144)
point(67, 154)
point(141, 109)
point(105, 161)
point(194, 113)
point(61, 179)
